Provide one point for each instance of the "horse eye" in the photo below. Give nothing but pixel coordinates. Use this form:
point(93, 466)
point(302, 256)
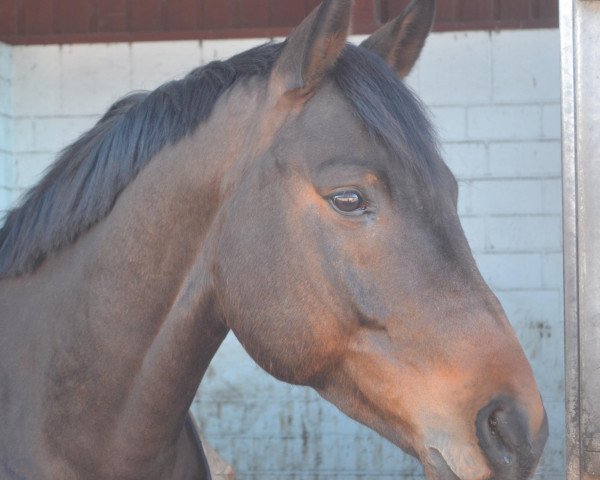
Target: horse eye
point(348, 202)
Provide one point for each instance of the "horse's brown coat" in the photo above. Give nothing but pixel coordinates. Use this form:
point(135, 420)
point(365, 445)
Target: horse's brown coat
point(383, 312)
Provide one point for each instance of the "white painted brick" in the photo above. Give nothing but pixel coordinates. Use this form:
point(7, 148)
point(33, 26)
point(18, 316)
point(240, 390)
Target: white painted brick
point(30, 168)
point(552, 270)
point(552, 196)
point(551, 121)
point(93, 77)
point(502, 122)
point(23, 134)
point(525, 234)
point(5, 61)
point(450, 123)
point(36, 80)
point(511, 271)
point(506, 196)
point(525, 159)
point(224, 49)
point(466, 160)
point(154, 63)
point(455, 69)
point(475, 230)
point(5, 97)
point(464, 198)
point(55, 133)
point(6, 133)
point(7, 201)
point(7, 170)
point(526, 66)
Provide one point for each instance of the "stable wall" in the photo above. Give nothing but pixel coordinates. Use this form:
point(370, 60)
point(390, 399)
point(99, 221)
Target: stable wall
point(495, 100)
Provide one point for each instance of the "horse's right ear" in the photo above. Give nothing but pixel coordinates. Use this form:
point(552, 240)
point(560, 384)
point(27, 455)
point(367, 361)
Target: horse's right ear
point(400, 41)
point(314, 47)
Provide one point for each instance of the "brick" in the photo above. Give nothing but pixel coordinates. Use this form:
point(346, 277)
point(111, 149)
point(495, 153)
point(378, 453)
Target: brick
point(93, 77)
point(6, 96)
point(36, 77)
point(30, 168)
point(552, 271)
point(475, 230)
point(7, 170)
point(552, 196)
point(54, 134)
point(504, 122)
point(510, 271)
point(526, 66)
point(525, 159)
point(23, 135)
point(6, 134)
point(224, 49)
point(450, 123)
point(112, 16)
point(506, 197)
point(466, 160)
point(154, 63)
point(6, 61)
point(525, 234)
point(455, 69)
point(551, 121)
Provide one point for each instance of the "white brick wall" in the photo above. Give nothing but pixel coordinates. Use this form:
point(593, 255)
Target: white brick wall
point(7, 171)
point(495, 100)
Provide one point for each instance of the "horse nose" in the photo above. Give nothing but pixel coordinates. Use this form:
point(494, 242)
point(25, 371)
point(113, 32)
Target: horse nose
point(512, 450)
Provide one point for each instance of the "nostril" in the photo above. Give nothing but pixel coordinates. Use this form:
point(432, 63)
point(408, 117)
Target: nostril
point(503, 434)
point(494, 426)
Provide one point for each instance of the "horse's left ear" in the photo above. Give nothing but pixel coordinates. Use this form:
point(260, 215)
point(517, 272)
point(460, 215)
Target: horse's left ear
point(314, 47)
point(400, 41)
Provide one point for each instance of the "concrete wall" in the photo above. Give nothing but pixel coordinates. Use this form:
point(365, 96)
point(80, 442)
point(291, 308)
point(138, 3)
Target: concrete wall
point(495, 100)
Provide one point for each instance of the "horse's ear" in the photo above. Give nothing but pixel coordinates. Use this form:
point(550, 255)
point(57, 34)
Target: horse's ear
point(400, 41)
point(313, 48)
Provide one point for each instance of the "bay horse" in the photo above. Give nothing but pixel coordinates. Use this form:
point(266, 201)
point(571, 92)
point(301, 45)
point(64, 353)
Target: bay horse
point(295, 195)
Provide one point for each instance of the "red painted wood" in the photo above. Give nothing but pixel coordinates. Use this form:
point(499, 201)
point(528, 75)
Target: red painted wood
point(512, 10)
point(112, 15)
point(252, 13)
point(445, 11)
point(35, 17)
point(217, 14)
point(474, 10)
point(287, 13)
point(8, 17)
point(544, 9)
point(182, 15)
point(59, 21)
point(74, 16)
point(365, 16)
point(146, 15)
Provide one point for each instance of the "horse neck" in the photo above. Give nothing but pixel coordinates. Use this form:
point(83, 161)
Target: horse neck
point(141, 290)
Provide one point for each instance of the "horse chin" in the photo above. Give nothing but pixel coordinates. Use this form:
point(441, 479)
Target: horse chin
point(444, 459)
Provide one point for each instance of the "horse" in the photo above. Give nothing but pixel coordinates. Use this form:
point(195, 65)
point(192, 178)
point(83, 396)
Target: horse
point(295, 195)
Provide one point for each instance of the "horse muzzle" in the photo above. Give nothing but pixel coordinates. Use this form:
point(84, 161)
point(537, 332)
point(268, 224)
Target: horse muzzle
point(511, 449)
point(505, 447)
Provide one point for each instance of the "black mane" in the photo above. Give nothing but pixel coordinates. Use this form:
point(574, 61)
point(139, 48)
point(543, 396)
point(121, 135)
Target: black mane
point(81, 187)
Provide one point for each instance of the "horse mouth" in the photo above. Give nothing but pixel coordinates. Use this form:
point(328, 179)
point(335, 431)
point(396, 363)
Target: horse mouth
point(441, 469)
